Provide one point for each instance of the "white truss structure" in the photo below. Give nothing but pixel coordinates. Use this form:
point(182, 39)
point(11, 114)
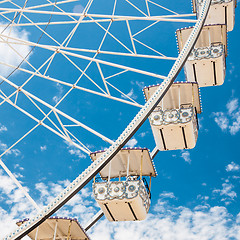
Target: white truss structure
point(69, 52)
point(23, 17)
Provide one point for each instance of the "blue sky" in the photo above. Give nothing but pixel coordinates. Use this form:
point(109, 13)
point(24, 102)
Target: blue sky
point(196, 192)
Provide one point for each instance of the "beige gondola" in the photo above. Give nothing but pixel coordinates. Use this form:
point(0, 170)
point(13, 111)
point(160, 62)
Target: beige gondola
point(174, 121)
point(220, 12)
point(206, 63)
point(57, 228)
point(123, 193)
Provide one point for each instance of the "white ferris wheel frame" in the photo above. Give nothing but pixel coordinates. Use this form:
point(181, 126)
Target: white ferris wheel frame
point(134, 125)
point(59, 48)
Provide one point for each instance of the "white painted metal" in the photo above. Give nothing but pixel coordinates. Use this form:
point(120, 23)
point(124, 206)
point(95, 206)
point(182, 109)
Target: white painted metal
point(114, 17)
point(93, 220)
point(180, 93)
point(139, 119)
point(220, 12)
point(210, 35)
point(57, 228)
point(122, 200)
point(40, 122)
point(36, 233)
point(53, 108)
point(206, 64)
point(100, 213)
point(207, 69)
point(132, 102)
point(119, 164)
point(128, 199)
point(174, 121)
point(55, 231)
point(176, 136)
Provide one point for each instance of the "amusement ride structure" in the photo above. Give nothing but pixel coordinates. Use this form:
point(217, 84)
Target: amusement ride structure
point(121, 176)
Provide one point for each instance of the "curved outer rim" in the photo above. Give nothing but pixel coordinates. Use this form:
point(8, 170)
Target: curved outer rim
point(133, 126)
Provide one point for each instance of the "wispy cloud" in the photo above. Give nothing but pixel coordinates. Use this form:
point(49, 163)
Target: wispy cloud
point(229, 121)
point(14, 151)
point(186, 156)
point(141, 85)
point(203, 198)
point(75, 151)
point(226, 192)
point(130, 94)
point(78, 8)
point(3, 128)
point(59, 95)
point(201, 125)
point(232, 106)
point(17, 166)
point(167, 195)
point(143, 134)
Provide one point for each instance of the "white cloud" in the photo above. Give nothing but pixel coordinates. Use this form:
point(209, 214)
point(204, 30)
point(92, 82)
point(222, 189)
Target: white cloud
point(200, 122)
point(15, 202)
point(18, 207)
point(132, 143)
point(167, 195)
point(130, 95)
point(59, 95)
point(17, 166)
point(232, 106)
point(4, 147)
point(203, 198)
point(232, 167)
point(3, 128)
point(6, 184)
point(143, 134)
point(81, 205)
point(226, 192)
point(201, 125)
point(90, 146)
point(8, 55)
point(186, 156)
point(166, 221)
point(43, 148)
point(173, 223)
point(42, 188)
point(232, 67)
point(78, 8)
point(75, 151)
point(163, 200)
point(230, 120)
point(221, 120)
point(141, 85)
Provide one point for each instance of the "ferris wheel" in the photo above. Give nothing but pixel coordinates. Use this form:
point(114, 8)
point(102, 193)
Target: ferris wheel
point(71, 70)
